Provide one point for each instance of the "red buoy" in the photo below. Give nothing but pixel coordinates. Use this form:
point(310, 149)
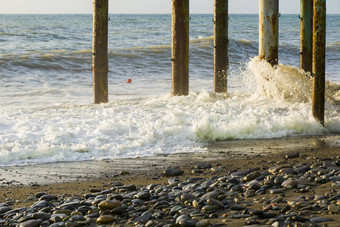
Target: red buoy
point(129, 81)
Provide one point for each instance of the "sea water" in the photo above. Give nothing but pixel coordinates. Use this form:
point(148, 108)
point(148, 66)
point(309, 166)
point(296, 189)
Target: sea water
point(46, 96)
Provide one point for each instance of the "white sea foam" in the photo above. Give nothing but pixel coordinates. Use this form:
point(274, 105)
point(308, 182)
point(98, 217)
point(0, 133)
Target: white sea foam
point(46, 85)
point(164, 124)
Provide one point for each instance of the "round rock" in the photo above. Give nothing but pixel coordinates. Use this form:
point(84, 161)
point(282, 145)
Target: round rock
point(104, 219)
point(109, 204)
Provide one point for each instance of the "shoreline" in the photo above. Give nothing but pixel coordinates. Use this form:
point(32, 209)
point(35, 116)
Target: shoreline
point(75, 180)
point(63, 172)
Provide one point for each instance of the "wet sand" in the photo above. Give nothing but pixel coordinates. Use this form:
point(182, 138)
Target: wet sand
point(218, 152)
point(76, 178)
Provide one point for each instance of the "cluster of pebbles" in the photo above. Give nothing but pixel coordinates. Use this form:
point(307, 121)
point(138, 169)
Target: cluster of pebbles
point(255, 197)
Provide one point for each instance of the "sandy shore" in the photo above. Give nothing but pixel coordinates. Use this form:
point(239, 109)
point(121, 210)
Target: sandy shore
point(217, 152)
point(76, 178)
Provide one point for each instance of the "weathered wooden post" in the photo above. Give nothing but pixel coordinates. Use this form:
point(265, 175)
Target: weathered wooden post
point(319, 44)
point(99, 51)
point(269, 30)
point(180, 47)
point(221, 61)
point(306, 35)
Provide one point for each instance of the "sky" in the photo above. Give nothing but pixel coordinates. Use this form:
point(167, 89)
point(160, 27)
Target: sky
point(144, 6)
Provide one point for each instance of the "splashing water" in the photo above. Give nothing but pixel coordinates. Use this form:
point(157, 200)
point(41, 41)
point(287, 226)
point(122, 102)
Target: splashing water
point(288, 83)
point(165, 124)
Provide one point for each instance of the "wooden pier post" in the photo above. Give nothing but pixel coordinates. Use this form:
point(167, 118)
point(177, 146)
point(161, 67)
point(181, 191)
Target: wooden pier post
point(99, 51)
point(306, 35)
point(269, 30)
point(221, 61)
point(319, 46)
point(180, 47)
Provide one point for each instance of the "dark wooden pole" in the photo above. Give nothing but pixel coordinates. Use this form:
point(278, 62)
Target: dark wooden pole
point(99, 51)
point(180, 47)
point(319, 46)
point(306, 35)
point(221, 61)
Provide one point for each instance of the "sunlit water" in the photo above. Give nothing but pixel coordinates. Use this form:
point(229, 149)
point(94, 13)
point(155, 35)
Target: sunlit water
point(46, 96)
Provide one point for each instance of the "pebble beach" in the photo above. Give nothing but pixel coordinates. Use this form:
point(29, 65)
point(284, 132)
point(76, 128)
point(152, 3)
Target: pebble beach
point(283, 182)
point(254, 156)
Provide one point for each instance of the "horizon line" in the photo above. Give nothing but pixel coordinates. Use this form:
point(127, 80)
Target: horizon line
point(145, 13)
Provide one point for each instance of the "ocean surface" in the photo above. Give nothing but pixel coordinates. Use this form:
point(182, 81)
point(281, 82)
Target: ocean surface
point(46, 96)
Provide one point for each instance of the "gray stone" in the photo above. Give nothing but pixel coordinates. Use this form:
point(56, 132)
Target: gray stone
point(39, 194)
point(215, 202)
point(320, 219)
point(279, 180)
point(188, 197)
point(236, 188)
point(129, 188)
point(302, 169)
point(144, 218)
point(30, 223)
point(175, 209)
point(276, 169)
point(287, 171)
point(70, 205)
point(334, 209)
point(237, 207)
point(76, 218)
point(276, 191)
point(48, 197)
point(289, 183)
point(173, 181)
point(137, 202)
point(321, 180)
point(182, 220)
point(41, 215)
point(241, 173)
point(209, 208)
point(196, 214)
point(203, 223)
point(249, 193)
point(143, 195)
point(205, 165)
point(292, 155)
point(213, 194)
point(40, 204)
point(173, 172)
point(4, 209)
point(58, 224)
point(57, 217)
point(320, 197)
point(254, 184)
point(197, 171)
point(329, 164)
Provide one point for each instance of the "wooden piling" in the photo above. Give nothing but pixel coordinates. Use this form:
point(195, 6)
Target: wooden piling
point(306, 35)
point(221, 61)
point(269, 30)
point(180, 47)
point(99, 51)
point(319, 45)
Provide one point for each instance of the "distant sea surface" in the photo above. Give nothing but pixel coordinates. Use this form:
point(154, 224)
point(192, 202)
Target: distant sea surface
point(46, 96)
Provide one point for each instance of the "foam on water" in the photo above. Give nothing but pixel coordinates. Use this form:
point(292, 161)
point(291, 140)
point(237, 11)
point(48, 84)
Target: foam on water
point(46, 85)
point(278, 107)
